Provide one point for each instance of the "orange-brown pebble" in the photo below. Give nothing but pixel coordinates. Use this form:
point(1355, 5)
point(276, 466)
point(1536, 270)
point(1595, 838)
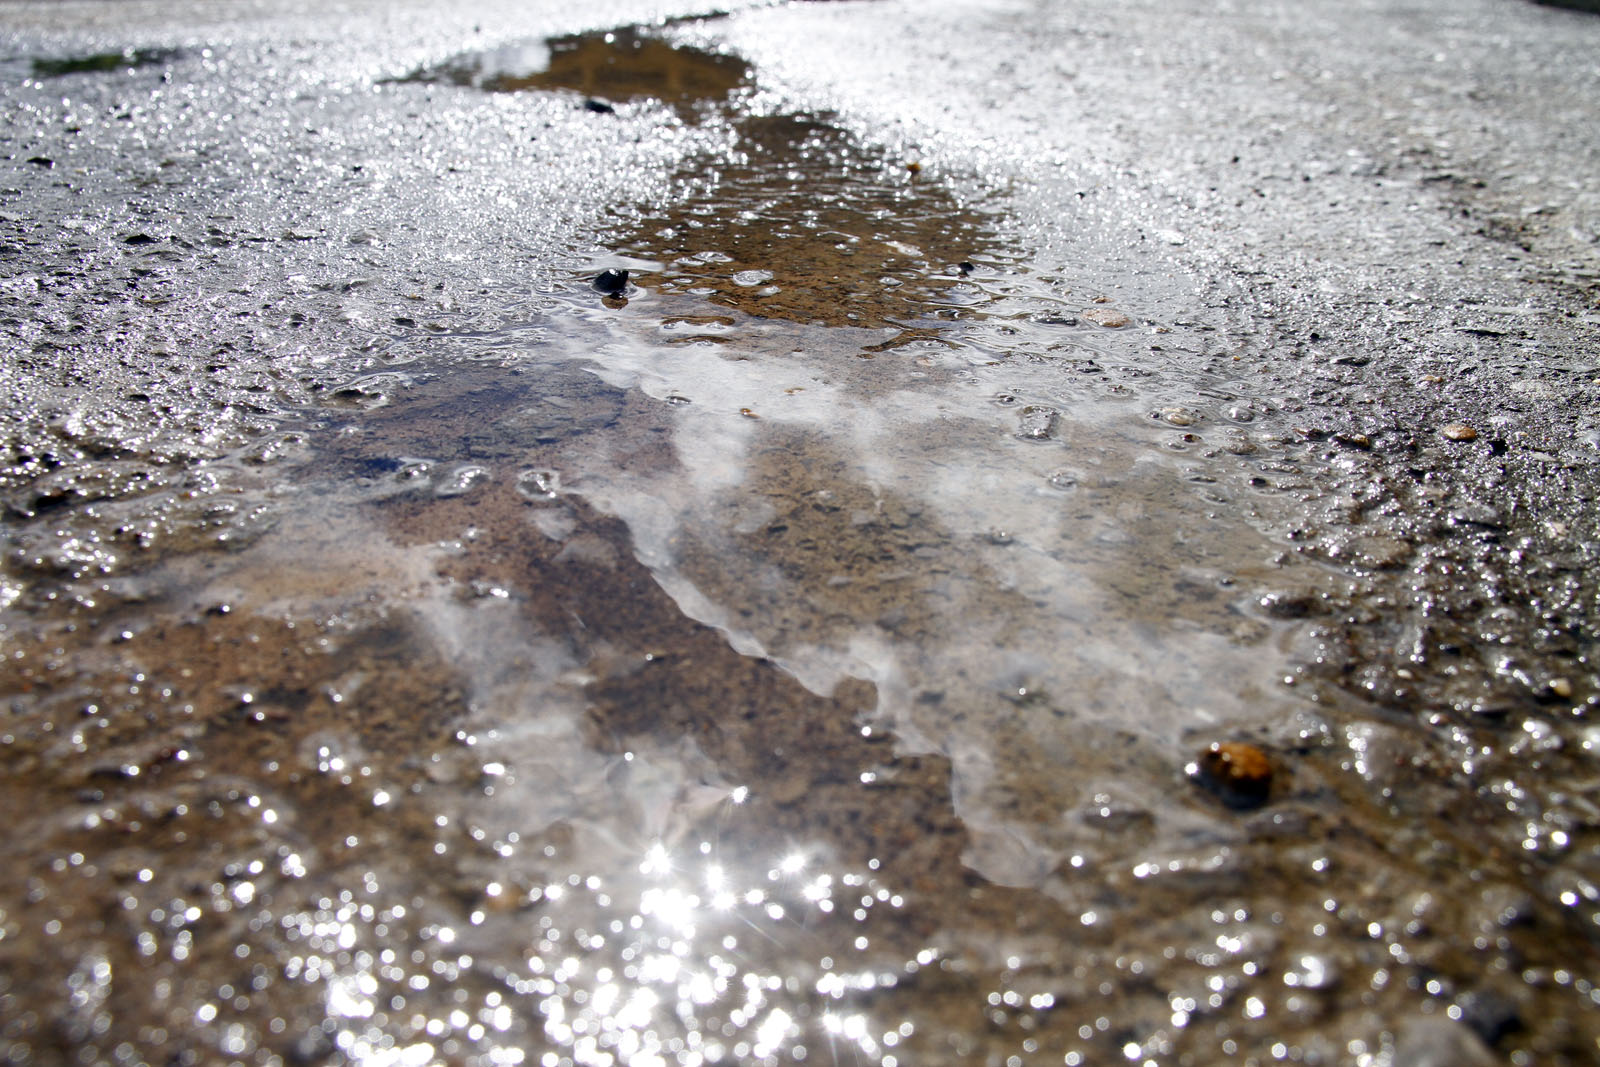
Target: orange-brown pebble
point(1460, 431)
point(1238, 772)
point(914, 167)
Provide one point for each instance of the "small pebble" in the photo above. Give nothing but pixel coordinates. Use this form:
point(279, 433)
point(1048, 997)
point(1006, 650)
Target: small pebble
point(1287, 603)
point(1239, 773)
point(1459, 431)
point(1179, 416)
point(611, 282)
point(1062, 479)
point(1107, 317)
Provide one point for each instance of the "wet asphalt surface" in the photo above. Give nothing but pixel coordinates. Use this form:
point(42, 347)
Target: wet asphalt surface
point(1075, 542)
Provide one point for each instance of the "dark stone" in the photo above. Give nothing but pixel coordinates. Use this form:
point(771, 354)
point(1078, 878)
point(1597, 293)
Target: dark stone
point(610, 282)
point(41, 161)
point(599, 107)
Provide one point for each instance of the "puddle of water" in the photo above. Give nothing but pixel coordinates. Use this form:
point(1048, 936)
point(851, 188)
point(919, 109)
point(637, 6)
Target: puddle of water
point(103, 62)
point(808, 225)
point(801, 222)
point(622, 65)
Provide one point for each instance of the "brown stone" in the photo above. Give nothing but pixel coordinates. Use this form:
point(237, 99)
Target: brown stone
point(1459, 431)
point(1239, 773)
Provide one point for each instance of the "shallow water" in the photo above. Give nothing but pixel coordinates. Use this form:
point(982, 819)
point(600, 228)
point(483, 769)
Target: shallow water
point(801, 656)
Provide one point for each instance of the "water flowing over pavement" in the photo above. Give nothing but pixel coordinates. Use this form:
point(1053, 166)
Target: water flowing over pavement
point(1075, 543)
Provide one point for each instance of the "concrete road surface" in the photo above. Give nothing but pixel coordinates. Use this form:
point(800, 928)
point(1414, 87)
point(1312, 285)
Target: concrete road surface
point(1074, 542)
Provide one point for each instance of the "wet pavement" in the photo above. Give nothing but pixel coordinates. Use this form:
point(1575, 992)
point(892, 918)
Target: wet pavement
point(1075, 542)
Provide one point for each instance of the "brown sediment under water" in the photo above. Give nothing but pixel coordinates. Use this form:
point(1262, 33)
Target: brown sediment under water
point(799, 657)
point(624, 64)
point(806, 225)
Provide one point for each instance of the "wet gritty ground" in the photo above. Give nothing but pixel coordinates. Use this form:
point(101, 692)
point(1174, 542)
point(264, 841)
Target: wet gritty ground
point(414, 656)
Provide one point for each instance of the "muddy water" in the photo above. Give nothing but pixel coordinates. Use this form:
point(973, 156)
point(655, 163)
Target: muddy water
point(624, 64)
point(800, 656)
